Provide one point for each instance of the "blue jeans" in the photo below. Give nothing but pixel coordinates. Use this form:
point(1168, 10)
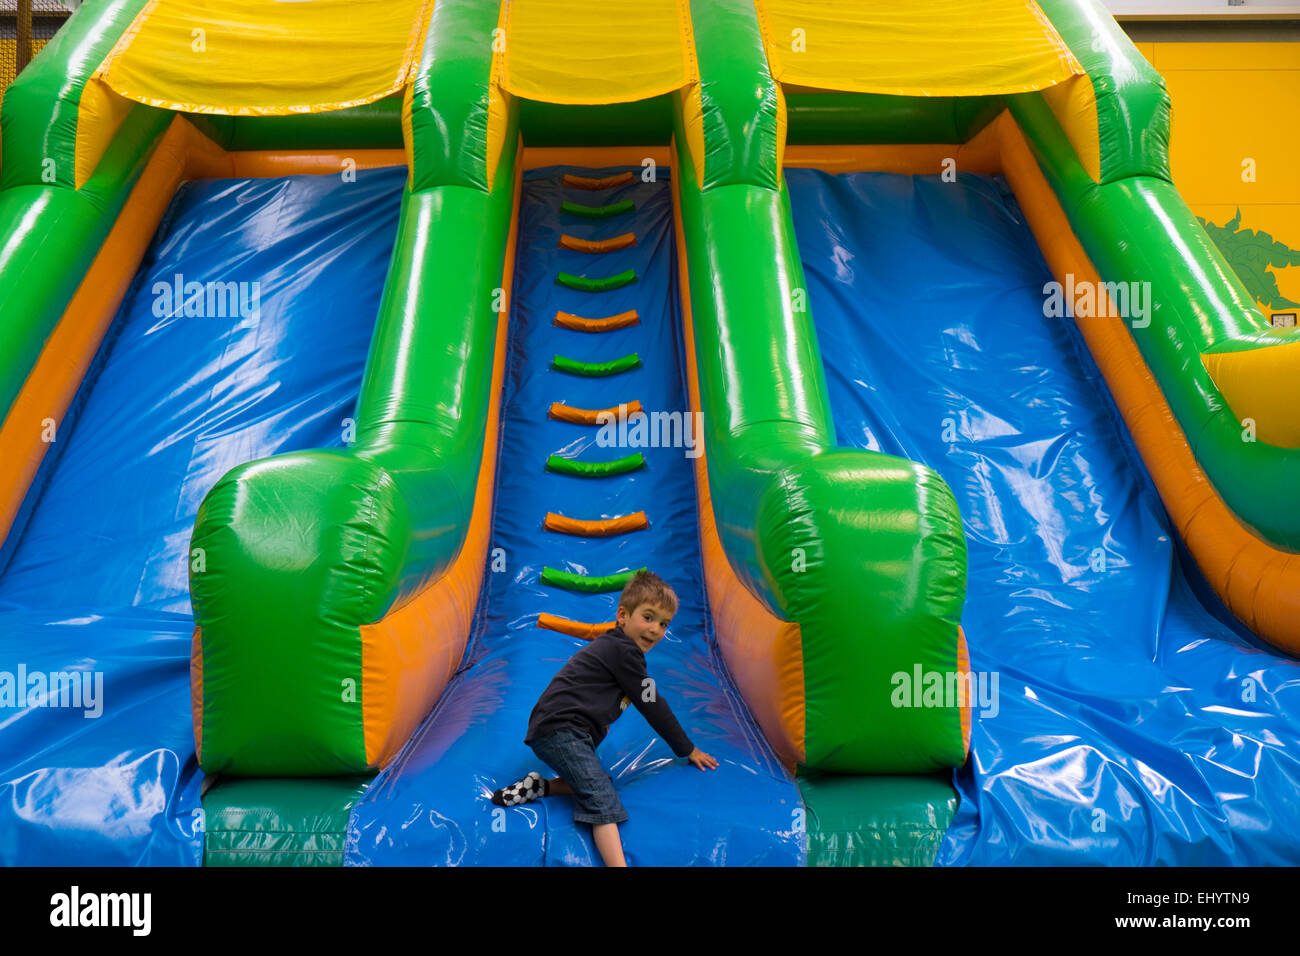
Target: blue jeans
point(572, 755)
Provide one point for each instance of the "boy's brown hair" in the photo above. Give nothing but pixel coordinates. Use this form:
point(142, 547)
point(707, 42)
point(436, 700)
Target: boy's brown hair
point(646, 587)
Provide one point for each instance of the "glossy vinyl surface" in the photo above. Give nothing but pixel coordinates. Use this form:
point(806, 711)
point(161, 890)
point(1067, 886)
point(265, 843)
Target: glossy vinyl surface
point(1120, 698)
point(97, 582)
point(310, 547)
point(1132, 107)
point(278, 821)
point(835, 118)
point(741, 112)
point(43, 104)
point(446, 103)
point(863, 551)
point(1195, 304)
point(263, 58)
point(376, 125)
point(876, 820)
point(431, 804)
point(913, 49)
point(49, 236)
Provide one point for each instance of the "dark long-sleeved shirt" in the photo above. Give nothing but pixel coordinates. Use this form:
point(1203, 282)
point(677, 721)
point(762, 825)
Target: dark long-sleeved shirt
point(592, 690)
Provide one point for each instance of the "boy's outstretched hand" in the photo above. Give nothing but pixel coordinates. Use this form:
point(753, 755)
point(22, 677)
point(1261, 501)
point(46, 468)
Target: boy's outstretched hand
point(701, 759)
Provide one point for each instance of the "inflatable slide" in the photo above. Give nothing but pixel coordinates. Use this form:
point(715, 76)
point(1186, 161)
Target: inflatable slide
point(350, 365)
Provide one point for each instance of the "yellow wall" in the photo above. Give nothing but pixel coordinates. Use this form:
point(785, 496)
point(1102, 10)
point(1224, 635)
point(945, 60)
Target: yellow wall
point(1231, 102)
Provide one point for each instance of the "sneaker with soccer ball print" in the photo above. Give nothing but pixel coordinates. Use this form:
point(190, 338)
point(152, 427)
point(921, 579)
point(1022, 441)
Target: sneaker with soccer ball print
point(525, 791)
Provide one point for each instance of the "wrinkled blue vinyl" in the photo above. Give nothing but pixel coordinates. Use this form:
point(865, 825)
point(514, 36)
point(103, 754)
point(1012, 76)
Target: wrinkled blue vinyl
point(96, 580)
point(431, 805)
point(1132, 727)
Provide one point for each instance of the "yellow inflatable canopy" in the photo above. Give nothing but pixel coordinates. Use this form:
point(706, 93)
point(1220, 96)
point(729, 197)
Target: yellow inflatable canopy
point(914, 49)
point(597, 51)
point(267, 57)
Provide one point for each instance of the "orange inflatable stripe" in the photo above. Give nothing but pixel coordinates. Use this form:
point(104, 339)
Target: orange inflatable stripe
point(1255, 580)
point(980, 155)
point(267, 163)
point(596, 528)
point(598, 245)
point(588, 182)
point(594, 157)
point(586, 632)
point(196, 690)
point(591, 416)
point(763, 652)
point(963, 668)
point(409, 656)
point(566, 320)
point(207, 160)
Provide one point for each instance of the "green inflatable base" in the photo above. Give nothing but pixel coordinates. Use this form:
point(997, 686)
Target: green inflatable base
point(877, 820)
point(279, 821)
point(851, 820)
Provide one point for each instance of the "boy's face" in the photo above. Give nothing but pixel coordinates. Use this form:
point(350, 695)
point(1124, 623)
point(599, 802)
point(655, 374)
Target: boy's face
point(645, 625)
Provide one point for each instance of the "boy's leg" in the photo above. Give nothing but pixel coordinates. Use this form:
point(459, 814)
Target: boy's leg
point(609, 843)
point(579, 772)
point(606, 836)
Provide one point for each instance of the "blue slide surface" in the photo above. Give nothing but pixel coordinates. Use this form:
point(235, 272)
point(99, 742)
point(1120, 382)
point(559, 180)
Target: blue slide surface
point(432, 805)
point(1132, 726)
point(94, 577)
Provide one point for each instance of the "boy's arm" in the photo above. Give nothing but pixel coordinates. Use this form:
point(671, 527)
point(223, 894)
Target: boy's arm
point(629, 671)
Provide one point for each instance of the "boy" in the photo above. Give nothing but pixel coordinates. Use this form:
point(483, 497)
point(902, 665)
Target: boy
point(589, 693)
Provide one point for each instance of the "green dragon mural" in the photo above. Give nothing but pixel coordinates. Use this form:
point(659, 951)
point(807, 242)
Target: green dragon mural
point(1251, 254)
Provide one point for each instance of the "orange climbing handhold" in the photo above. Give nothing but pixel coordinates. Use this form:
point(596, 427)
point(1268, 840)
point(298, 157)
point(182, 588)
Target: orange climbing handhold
point(566, 320)
point(591, 416)
point(598, 245)
point(598, 527)
point(589, 182)
point(577, 629)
